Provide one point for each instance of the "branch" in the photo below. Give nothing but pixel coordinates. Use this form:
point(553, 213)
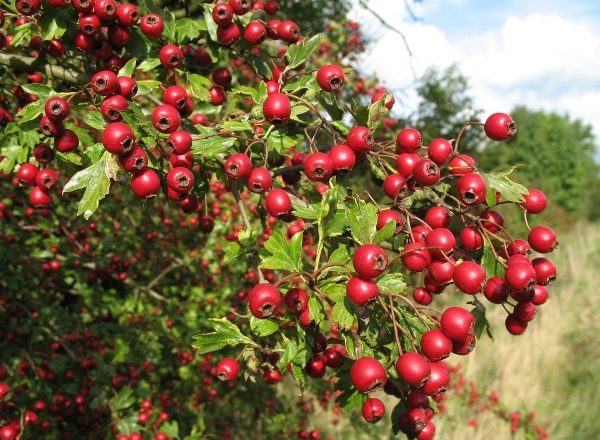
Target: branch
point(29, 64)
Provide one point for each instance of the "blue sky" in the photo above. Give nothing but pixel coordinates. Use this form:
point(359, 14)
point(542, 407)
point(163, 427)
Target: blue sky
point(542, 53)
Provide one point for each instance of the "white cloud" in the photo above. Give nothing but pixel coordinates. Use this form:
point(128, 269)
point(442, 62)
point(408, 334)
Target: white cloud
point(541, 60)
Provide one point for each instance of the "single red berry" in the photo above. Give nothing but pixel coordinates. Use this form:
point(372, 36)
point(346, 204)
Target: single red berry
point(46, 178)
point(228, 34)
point(439, 379)
point(152, 25)
point(413, 369)
point(318, 166)
point(330, 77)
point(43, 153)
point(38, 198)
point(514, 326)
point(457, 323)
point(491, 220)
point(127, 87)
point(278, 203)
point(369, 260)
point(118, 35)
point(442, 270)
point(342, 158)
point(405, 163)
point(500, 127)
point(106, 10)
point(395, 186)
point(385, 94)
point(334, 357)
point(408, 140)
point(263, 300)
point(440, 241)
point(471, 238)
point(373, 410)
point(128, 14)
point(180, 179)
point(360, 139)
point(435, 345)
point(255, 33)
point(222, 76)
point(89, 24)
point(240, 7)
point(461, 164)
point(170, 56)
point(540, 295)
point(469, 277)
point(415, 256)
point(105, 83)
point(361, 291)
point(222, 14)
point(426, 172)
point(437, 217)
point(228, 369)
point(112, 106)
point(27, 173)
point(542, 239)
point(496, 290)
point(367, 374)
point(118, 138)
point(389, 215)
point(57, 108)
point(180, 142)
point(259, 180)
point(422, 296)
point(145, 184)
point(439, 150)
point(520, 276)
point(66, 141)
point(316, 366)
point(288, 31)
point(545, 270)
point(296, 300)
point(472, 189)
point(166, 118)
point(238, 166)
point(182, 160)
point(524, 312)
point(519, 247)
point(277, 108)
point(135, 160)
point(272, 376)
point(534, 201)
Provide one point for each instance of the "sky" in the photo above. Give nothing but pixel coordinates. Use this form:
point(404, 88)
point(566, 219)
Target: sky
point(541, 53)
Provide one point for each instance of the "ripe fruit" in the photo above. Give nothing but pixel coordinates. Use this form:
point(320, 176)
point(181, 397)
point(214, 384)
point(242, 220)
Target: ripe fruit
point(394, 186)
point(381, 93)
point(330, 77)
point(240, 7)
point(316, 366)
point(112, 106)
point(28, 7)
point(170, 56)
point(221, 76)
point(166, 118)
point(38, 198)
point(471, 189)
point(272, 376)
point(369, 260)
point(520, 276)
point(435, 345)
point(259, 180)
point(228, 369)
point(426, 172)
point(152, 25)
point(134, 161)
point(373, 410)
point(278, 203)
point(408, 140)
point(118, 138)
point(545, 271)
point(127, 87)
point(296, 300)
point(66, 141)
point(180, 142)
point(105, 83)
point(342, 157)
point(422, 296)
point(542, 239)
point(415, 257)
point(438, 381)
point(469, 277)
point(318, 166)
point(389, 215)
point(145, 184)
point(514, 326)
point(440, 242)
point(263, 300)
point(496, 290)
point(43, 153)
point(456, 323)
point(180, 179)
point(413, 369)
point(288, 31)
point(277, 108)
point(128, 14)
point(491, 220)
point(500, 127)
point(217, 95)
point(47, 178)
point(361, 290)
point(471, 238)
point(334, 357)
point(439, 150)
point(26, 174)
point(367, 374)
point(222, 14)
point(255, 33)
point(57, 109)
point(441, 271)
point(360, 139)
point(437, 217)
point(535, 201)
point(228, 34)
point(405, 163)
point(524, 311)
point(461, 164)
point(238, 166)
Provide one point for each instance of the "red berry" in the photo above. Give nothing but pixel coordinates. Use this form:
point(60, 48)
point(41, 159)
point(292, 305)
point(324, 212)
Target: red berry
point(545, 271)
point(469, 277)
point(367, 374)
point(389, 215)
point(441, 242)
point(373, 410)
point(240, 7)
point(43, 153)
point(496, 290)
point(228, 369)
point(26, 174)
point(277, 108)
point(360, 139)
point(127, 87)
point(296, 300)
point(435, 345)
point(394, 186)
point(263, 300)
point(221, 76)
point(369, 260)
point(259, 180)
point(535, 201)
point(405, 163)
point(491, 220)
point(128, 14)
point(170, 56)
point(66, 141)
point(278, 203)
point(217, 95)
point(238, 166)
point(461, 164)
point(112, 106)
point(318, 166)
point(520, 276)
point(255, 33)
point(540, 295)
point(330, 77)
point(389, 98)
point(38, 198)
point(439, 150)
point(134, 161)
point(441, 271)
point(316, 366)
point(524, 311)
point(361, 291)
point(57, 109)
point(415, 257)
point(28, 7)
point(519, 247)
point(118, 138)
point(106, 10)
point(471, 189)
point(46, 178)
point(342, 157)
point(426, 172)
point(457, 323)
point(272, 376)
point(422, 296)
point(413, 369)
point(514, 326)
point(145, 184)
point(408, 140)
point(222, 14)
point(437, 217)
point(105, 83)
point(166, 118)
point(180, 179)
point(288, 31)
point(228, 34)
point(180, 142)
point(471, 238)
point(500, 127)
point(542, 239)
point(437, 383)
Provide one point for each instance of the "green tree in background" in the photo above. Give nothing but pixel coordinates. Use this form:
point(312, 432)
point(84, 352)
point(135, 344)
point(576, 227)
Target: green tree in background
point(558, 157)
point(444, 105)
point(313, 15)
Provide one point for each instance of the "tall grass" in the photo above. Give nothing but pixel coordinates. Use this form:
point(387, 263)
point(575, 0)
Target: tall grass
point(554, 368)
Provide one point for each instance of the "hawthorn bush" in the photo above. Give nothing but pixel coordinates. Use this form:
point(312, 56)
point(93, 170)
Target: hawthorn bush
point(264, 219)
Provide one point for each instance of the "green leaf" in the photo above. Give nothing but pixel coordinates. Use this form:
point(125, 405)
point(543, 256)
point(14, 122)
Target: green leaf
point(188, 28)
point(377, 109)
point(362, 219)
point(52, 25)
point(284, 255)
point(385, 233)
point(330, 105)
point(351, 399)
point(123, 400)
point(170, 428)
point(316, 309)
point(247, 91)
point(299, 53)
point(340, 127)
point(199, 86)
point(12, 154)
point(360, 113)
point(225, 334)
point(95, 120)
point(207, 148)
point(481, 322)
point(300, 83)
point(391, 283)
point(340, 255)
point(22, 35)
point(280, 139)
point(128, 69)
point(489, 263)
point(260, 66)
point(210, 22)
point(149, 64)
point(297, 110)
point(96, 182)
point(342, 314)
point(31, 111)
point(232, 251)
point(499, 181)
point(234, 126)
point(147, 86)
point(263, 327)
point(335, 292)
